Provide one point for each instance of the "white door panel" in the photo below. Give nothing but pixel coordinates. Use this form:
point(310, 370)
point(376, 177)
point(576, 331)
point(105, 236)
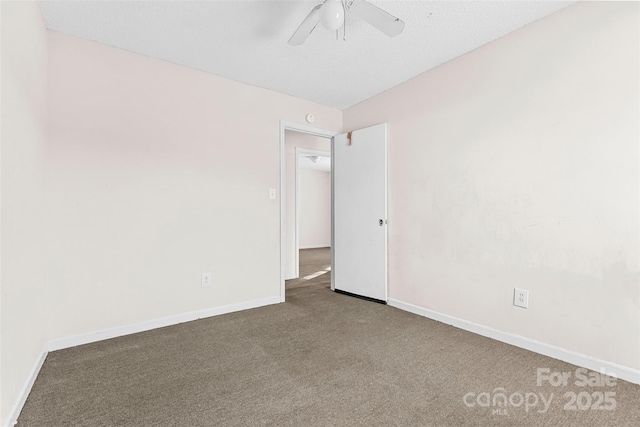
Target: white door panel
point(359, 204)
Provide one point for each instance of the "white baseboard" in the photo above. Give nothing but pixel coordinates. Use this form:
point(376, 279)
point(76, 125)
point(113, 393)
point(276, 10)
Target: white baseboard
point(24, 393)
point(623, 372)
point(72, 341)
point(326, 245)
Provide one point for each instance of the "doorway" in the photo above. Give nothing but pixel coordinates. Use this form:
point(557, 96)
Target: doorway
point(312, 207)
point(358, 209)
point(304, 155)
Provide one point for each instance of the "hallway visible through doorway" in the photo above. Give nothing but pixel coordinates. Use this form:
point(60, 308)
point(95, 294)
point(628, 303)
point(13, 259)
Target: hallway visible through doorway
point(315, 269)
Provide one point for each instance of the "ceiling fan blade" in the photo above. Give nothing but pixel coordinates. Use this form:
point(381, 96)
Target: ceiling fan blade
point(378, 18)
point(307, 26)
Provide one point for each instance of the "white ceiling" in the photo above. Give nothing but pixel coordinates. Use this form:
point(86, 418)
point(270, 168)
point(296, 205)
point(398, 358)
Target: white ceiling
point(323, 164)
point(247, 40)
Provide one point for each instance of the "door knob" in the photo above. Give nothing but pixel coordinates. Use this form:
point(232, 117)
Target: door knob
point(381, 222)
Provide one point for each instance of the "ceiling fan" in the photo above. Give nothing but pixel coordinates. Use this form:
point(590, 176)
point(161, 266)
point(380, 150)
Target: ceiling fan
point(331, 14)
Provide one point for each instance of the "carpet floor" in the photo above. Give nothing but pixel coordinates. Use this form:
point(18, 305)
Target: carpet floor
point(319, 359)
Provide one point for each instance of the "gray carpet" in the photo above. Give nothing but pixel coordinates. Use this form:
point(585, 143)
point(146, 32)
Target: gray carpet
point(320, 359)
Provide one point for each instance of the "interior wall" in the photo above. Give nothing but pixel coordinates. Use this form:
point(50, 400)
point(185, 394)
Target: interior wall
point(314, 223)
point(158, 173)
point(516, 165)
point(24, 296)
point(292, 140)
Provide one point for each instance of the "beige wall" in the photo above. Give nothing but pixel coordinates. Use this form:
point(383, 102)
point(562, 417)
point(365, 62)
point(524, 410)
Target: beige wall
point(314, 223)
point(295, 140)
point(516, 165)
point(24, 304)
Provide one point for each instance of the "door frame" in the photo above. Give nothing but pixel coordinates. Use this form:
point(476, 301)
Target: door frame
point(296, 127)
point(301, 152)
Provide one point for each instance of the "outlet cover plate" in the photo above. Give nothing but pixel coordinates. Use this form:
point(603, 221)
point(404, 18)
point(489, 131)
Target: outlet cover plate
point(206, 280)
point(521, 298)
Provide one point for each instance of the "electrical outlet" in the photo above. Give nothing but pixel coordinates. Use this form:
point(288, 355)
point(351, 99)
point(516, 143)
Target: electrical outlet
point(206, 280)
point(521, 298)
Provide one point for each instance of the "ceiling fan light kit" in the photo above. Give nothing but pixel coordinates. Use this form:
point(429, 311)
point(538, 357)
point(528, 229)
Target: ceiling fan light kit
point(331, 13)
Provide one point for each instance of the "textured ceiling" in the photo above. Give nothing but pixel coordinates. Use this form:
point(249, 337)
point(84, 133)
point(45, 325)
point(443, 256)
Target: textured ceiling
point(247, 40)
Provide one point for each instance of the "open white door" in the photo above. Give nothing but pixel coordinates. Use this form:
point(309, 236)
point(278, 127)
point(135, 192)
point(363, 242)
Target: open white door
point(360, 213)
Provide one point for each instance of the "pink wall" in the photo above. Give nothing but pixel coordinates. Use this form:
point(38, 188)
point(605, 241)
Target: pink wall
point(145, 175)
point(315, 209)
point(516, 165)
point(156, 174)
point(24, 296)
